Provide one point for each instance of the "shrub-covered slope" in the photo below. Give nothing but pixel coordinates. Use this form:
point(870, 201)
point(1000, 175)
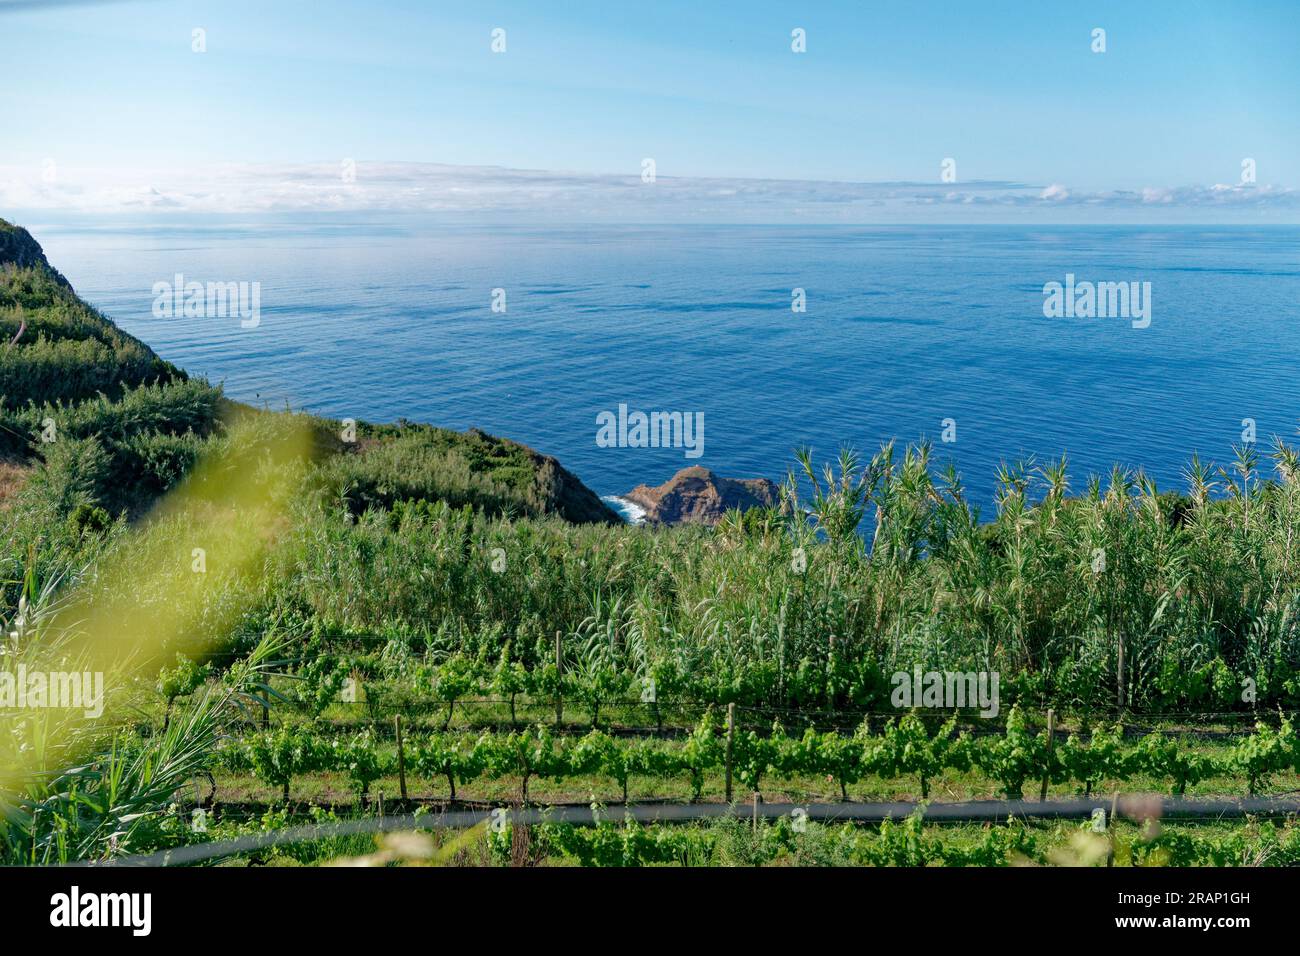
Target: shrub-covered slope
point(56, 348)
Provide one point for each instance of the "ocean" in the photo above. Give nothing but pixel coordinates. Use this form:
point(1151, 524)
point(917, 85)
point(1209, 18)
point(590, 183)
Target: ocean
point(907, 332)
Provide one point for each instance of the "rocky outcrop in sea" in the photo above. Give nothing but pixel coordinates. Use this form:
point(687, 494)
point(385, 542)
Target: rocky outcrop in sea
point(697, 495)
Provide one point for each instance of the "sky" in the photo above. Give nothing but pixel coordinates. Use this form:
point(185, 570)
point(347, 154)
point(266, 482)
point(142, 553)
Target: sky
point(114, 109)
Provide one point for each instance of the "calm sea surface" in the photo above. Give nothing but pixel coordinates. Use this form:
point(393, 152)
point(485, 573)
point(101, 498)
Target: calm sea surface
point(904, 327)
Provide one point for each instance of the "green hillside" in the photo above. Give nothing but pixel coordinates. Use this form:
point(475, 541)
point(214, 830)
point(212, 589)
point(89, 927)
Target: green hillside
point(94, 425)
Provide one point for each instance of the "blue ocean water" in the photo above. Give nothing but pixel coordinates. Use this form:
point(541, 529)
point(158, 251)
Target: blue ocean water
point(905, 327)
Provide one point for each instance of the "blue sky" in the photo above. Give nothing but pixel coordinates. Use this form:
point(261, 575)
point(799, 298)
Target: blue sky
point(1012, 91)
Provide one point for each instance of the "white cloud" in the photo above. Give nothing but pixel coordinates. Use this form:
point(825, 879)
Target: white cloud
point(476, 191)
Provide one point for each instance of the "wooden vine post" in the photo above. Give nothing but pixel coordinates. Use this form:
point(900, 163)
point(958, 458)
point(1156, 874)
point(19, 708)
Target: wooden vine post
point(559, 680)
point(1110, 828)
point(1051, 742)
point(731, 734)
point(401, 756)
point(830, 676)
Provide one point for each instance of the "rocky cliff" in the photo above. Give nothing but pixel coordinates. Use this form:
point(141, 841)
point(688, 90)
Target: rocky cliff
point(697, 495)
point(18, 248)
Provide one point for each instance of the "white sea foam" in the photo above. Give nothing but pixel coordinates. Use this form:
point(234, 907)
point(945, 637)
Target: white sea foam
point(631, 512)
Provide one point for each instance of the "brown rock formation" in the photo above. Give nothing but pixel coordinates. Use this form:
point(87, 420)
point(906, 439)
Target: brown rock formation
point(696, 494)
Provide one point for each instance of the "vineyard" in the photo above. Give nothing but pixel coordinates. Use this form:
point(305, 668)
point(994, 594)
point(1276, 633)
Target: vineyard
point(376, 756)
point(904, 749)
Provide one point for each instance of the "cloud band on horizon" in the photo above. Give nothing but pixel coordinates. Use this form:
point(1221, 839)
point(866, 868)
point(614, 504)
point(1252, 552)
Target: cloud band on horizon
point(498, 192)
